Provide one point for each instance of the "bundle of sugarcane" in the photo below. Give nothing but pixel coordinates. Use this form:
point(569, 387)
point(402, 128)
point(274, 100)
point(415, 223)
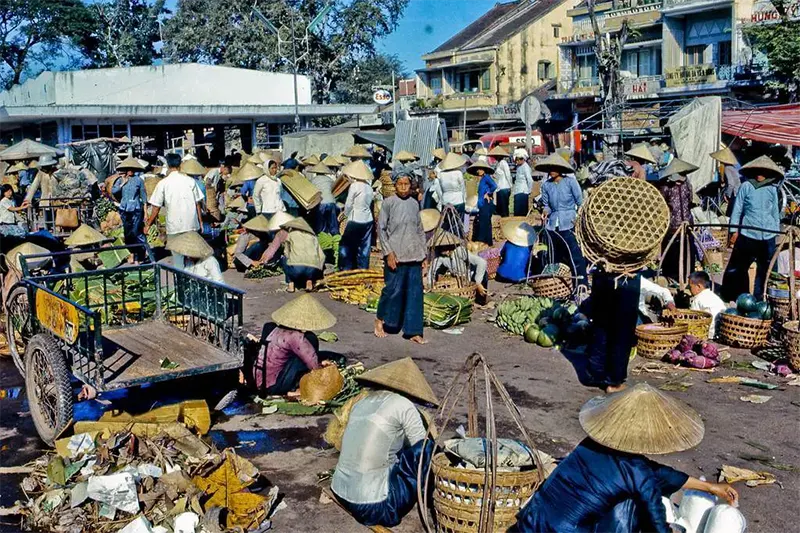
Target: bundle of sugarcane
point(445, 310)
point(356, 287)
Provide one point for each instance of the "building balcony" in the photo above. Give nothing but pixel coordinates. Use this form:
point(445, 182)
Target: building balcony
point(457, 101)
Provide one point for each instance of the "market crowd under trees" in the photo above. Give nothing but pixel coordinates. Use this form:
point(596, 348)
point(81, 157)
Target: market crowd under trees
point(343, 61)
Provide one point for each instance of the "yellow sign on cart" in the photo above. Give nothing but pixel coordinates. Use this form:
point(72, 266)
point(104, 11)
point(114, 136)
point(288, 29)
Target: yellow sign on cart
point(58, 316)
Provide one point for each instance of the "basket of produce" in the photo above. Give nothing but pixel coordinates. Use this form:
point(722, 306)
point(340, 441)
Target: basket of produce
point(654, 341)
point(457, 495)
point(748, 324)
point(543, 321)
point(357, 287)
point(454, 287)
point(442, 310)
point(791, 343)
point(697, 322)
point(554, 282)
point(387, 185)
point(492, 257)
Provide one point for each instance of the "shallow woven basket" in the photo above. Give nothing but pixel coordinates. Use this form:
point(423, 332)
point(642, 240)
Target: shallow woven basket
point(743, 332)
point(457, 496)
point(655, 343)
point(791, 343)
point(697, 322)
point(556, 287)
point(449, 285)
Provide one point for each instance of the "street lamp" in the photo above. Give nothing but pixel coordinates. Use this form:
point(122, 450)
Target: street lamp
point(286, 35)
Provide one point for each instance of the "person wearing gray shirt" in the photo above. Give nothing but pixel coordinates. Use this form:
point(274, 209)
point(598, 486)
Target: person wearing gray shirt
point(326, 214)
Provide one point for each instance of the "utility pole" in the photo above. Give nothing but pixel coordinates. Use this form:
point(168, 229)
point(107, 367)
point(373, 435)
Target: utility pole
point(394, 101)
point(294, 71)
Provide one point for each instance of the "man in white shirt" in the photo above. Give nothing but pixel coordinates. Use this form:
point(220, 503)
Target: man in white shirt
point(704, 299)
point(183, 200)
point(650, 291)
point(502, 175)
point(267, 193)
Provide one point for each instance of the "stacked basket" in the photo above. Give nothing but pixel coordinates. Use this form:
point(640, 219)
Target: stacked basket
point(697, 322)
point(556, 286)
point(654, 341)
point(791, 341)
point(743, 332)
point(621, 225)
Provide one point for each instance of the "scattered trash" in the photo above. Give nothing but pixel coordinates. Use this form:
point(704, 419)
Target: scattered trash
point(725, 379)
point(186, 522)
point(453, 331)
point(770, 463)
point(15, 470)
point(794, 380)
point(762, 365)
point(757, 384)
point(676, 386)
point(755, 398)
point(779, 367)
point(328, 336)
point(117, 491)
point(733, 474)
point(10, 511)
point(139, 525)
point(166, 363)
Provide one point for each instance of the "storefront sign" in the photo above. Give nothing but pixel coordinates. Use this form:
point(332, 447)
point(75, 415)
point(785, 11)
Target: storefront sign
point(382, 97)
point(692, 74)
point(765, 12)
point(504, 112)
point(641, 88)
point(57, 316)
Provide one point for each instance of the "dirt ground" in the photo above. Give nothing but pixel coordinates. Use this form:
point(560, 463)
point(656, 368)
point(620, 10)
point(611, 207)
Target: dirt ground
point(290, 450)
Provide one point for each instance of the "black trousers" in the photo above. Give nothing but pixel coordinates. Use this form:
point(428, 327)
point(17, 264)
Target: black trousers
point(503, 197)
point(736, 280)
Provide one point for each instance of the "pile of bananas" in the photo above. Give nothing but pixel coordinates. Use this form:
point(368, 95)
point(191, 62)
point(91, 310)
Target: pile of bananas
point(355, 287)
point(516, 315)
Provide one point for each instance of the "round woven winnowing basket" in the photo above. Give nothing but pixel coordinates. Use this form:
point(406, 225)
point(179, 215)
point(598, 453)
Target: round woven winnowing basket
point(743, 332)
point(620, 266)
point(458, 495)
point(655, 341)
point(791, 343)
point(557, 286)
point(449, 285)
point(697, 322)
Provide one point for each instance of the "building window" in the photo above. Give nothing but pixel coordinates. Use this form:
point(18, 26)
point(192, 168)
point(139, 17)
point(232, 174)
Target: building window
point(556, 31)
point(642, 62)
point(724, 53)
point(435, 83)
point(486, 81)
point(471, 81)
point(587, 70)
point(545, 70)
point(695, 55)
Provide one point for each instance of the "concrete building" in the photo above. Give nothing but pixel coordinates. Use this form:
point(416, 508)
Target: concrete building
point(506, 54)
point(161, 103)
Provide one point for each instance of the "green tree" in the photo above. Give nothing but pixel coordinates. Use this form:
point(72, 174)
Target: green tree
point(125, 33)
point(34, 32)
point(223, 33)
point(780, 42)
point(356, 86)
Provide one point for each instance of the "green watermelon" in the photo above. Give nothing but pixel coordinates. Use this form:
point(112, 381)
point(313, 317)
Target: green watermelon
point(548, 336)
point(532, 334)
point(543, 321)
point(764, 310)
point(731, 311)
point(746, 303)
point(561, 315)
point(580, 317)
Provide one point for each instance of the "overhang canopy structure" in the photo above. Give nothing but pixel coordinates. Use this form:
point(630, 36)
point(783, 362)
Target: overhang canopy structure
point(774, 124)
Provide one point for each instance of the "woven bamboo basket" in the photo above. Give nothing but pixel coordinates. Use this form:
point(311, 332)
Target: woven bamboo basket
point(557, 287)
point(697, 322)
point(791, 343)
point(720, 235)
point(342, 224)
point(743, 332)
point(780, 307)
point(376, 261)
point(450, 285)
point(457, 496)
point(654, 340)
point(492, 257)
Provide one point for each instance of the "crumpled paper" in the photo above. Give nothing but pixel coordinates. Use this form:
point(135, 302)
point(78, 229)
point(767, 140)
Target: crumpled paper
point(755, 398)
point(139, 525)
point(116, 490)
point(732, 474)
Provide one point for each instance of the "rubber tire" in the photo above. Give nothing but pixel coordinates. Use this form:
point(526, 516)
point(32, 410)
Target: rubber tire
point(57, 362)
point(19, 358)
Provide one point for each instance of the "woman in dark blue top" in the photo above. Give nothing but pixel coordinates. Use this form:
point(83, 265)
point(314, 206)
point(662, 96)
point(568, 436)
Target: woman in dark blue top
point(600, 488)
point(486, 189)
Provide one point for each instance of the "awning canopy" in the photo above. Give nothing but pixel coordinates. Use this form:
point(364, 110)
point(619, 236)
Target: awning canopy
point(774, 124)
point(27, 149)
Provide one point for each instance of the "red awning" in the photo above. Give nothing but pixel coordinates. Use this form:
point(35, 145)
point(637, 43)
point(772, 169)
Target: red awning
point(773, 124)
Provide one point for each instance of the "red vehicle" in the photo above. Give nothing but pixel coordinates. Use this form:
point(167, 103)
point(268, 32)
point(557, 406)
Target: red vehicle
point(517, 138)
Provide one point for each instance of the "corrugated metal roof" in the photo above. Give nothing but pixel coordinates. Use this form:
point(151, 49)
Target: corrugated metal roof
point(463, 37)
point(420, 136)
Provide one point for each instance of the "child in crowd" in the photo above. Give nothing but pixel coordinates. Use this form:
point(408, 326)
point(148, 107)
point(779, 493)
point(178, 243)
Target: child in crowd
point(704, 299)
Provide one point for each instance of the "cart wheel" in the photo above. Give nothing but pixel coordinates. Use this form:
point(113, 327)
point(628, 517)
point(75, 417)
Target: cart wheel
point(18, 325)
point(47, 385)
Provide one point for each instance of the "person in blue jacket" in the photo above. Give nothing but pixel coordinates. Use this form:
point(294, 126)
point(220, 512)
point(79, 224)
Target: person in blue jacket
point(606, 484)
point(515, 257)
point(486, 190)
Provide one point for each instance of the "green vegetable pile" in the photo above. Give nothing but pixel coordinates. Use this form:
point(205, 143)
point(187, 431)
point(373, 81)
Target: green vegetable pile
point(748, 306)
point(444, 310)
point(330, 243)
point(543, 321)
point(263, 271)
point(103, 206)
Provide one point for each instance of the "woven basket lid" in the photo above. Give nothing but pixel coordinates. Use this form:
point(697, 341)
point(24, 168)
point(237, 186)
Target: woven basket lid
point(520, 233)
point(279, 219)
point(237, 203)
point(430, 219)
point(319, 168)
point(677, 167)
point(190, 244)
point(498, 151)
point(249, 172)
point(84, 236)
point(299, 224)
point(357, 151)
point(642, 420)
point(304, 313)
point(725, 156)
point(320, 385)
point(358, 170)
point(553, 162)
point(439, 153)
point(453, 161)
point(192, 167)
point(641, 151)
point(405, 155)
point(258, 223)
point(331, 161)
point(28, 248)
point(130, 163)
point(444, 238)
point(403, 376)
point(762, 165)
point(480, 164)
point(311, 160)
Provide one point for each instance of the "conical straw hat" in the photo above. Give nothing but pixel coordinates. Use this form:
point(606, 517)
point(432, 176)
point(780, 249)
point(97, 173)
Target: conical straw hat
point(641, 151)
point(311, 160)
point(299, 224)
point(472, 169)
point(279, 219)
point(453, 161)
point(192, 167)
point(553, 162)
point(190, 244)
point(236, 203)
point(258, 223)
point(130, 163)
point(28, 248)
point(430, 219)
point(255, 159)
point(319, 168)
point(444, 238)
point(481, 151)
point(519, 233)
point(358, 171)
point(498, 151)
point(16, 168)
point(762, 165)
point(331, 161)
point(304, 313)
point(84, 236)
point(405, 155)
point(249, 172)
point(642, 420)
point(724, 156)
point(357, 151)
point(677, 167)
point(403, 376)
point(439, 153)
